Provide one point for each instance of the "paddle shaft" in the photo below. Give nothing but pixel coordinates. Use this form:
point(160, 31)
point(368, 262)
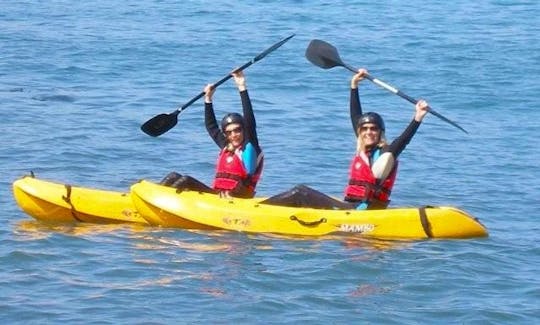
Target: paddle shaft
point(215, 85)
point(162, 123)
point(401, 94)
point(229, 76)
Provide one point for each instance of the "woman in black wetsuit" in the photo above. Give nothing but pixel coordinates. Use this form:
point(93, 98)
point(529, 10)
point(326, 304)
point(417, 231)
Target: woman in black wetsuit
point(373, 168)
point(240, 160)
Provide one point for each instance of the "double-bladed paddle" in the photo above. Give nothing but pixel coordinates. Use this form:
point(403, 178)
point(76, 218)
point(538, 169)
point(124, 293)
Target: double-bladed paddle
point(162, 123)
point(326, 56)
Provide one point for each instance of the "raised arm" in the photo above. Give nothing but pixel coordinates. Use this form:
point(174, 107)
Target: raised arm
point(399, 144)
point(250, 125)
point(210, 118)
point(354, 104)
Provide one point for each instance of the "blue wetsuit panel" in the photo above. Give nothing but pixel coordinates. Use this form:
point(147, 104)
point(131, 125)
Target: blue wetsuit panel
point(249, 158)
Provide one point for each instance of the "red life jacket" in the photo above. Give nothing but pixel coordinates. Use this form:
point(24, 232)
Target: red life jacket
point(363, 185)
point(231, 173)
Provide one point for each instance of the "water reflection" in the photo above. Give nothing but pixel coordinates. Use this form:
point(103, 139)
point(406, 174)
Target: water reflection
point(33, 230)
point(155, 238)
point(375, 244)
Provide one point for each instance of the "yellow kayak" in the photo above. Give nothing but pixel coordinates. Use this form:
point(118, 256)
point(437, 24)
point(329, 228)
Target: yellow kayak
point(53, 202)
point(163, 206)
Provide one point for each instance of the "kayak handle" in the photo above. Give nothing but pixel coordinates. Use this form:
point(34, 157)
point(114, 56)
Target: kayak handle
point(308, 223)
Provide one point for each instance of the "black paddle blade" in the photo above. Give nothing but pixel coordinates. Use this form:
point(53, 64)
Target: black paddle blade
point(447, 120)
point(323, 54)
point(160, 124)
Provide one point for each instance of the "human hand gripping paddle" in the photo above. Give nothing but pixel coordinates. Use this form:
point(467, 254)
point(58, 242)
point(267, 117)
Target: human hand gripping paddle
point(326, 56)
point(162, 123)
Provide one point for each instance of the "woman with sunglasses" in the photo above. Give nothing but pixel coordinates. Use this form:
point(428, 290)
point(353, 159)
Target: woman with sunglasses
point(373, 168)
point(240, 161)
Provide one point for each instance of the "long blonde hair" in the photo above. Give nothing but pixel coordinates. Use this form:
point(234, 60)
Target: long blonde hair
point(361, 147)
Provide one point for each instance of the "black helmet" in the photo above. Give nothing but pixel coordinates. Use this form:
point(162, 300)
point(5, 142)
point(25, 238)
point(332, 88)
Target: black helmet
point(230, 119)
point(371, 117)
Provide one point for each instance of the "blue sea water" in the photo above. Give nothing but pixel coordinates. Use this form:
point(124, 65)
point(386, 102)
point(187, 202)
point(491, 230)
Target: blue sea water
point(77, 79)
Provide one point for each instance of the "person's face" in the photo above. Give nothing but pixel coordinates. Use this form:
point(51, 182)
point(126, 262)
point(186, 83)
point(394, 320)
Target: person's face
point(370, 134)
point(235, 134)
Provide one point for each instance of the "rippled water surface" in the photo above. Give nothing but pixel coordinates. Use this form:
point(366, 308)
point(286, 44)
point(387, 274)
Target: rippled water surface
point(78, 79)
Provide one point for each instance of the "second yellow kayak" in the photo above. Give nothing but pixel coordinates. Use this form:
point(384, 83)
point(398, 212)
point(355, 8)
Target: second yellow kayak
point(163, 206)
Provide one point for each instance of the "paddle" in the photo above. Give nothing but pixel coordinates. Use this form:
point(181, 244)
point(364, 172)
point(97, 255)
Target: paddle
point(326, 56)
point(162, 123)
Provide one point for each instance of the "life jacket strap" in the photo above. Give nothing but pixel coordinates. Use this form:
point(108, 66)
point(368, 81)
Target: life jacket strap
point(245, 181)
point(377, 189)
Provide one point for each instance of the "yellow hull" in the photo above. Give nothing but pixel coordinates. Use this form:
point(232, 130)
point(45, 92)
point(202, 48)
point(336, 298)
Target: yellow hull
point(53, 202)
point(162, 206)
point(159, 210)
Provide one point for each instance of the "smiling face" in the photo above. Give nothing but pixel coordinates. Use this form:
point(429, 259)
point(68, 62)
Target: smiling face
point(235, 134)
point(370, 134)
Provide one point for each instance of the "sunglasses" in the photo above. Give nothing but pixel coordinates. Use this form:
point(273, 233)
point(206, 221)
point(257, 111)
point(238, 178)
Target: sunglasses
point(236, 130)
point(369, 128)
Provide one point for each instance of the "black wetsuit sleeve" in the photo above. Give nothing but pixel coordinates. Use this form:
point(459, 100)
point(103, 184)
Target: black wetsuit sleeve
point(399, 143)
point(250, 127)
point(355, 108)
point(212, 126)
